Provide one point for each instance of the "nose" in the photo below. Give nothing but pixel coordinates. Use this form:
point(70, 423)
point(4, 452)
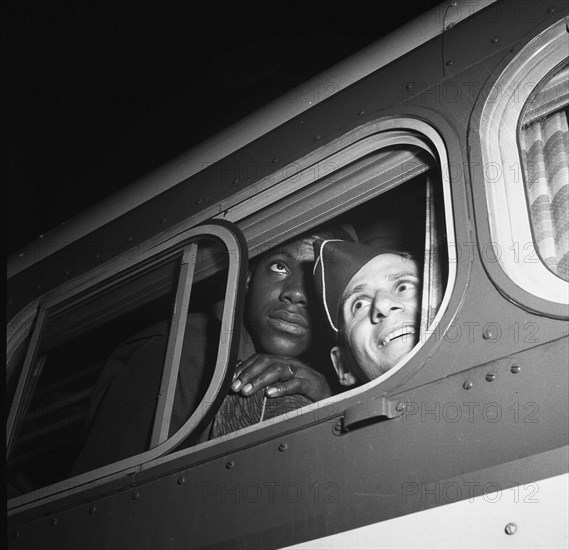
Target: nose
point(384, 304)
point(294, 289)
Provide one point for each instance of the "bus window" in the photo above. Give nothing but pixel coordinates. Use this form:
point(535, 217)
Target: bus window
point(70, 357)
point(391, 198)
point(520, 130)
point(544, 150)
point(123, 336)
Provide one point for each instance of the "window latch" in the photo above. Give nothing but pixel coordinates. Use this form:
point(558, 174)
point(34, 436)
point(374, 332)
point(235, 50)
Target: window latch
point(372, 410)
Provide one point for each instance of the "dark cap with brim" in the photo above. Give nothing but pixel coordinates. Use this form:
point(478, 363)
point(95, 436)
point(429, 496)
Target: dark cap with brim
point(336, 262)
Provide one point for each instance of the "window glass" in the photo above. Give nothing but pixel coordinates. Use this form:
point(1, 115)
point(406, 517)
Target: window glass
point(544, 151)
point(71, 355)
point(93, 386)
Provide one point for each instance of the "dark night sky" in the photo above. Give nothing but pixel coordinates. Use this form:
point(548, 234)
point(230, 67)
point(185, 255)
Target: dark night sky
point(98, 94)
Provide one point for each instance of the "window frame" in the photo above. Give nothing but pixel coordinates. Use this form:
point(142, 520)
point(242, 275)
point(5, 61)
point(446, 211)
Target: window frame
point(494, 139)
point(32, 321)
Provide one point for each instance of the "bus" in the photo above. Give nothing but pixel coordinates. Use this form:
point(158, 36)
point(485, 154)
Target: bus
point(450, 133)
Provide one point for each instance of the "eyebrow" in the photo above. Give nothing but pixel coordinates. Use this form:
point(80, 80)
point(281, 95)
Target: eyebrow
point(356, 290)
point(391, 278)
point(401, 274)
point(280, 252)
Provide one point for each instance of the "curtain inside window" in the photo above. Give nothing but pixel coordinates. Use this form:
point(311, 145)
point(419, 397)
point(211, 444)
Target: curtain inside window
point(544, 148)
point(432, 275)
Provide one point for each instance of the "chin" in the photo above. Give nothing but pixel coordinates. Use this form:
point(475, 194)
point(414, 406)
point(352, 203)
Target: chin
point(283, 346)
point(385, 365)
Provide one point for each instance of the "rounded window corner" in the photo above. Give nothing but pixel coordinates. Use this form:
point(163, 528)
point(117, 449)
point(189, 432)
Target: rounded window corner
point(500, 166)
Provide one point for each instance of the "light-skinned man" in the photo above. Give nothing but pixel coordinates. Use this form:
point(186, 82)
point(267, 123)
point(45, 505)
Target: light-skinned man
point(371, 299)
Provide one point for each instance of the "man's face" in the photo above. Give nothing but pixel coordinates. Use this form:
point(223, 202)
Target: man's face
point(280, 299)
point(380, 313)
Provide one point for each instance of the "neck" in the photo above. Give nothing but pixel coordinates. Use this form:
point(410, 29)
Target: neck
point(246, 345)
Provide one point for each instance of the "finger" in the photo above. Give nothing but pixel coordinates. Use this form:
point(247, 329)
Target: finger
point(291, 387)
point(238, 368)
point(246, 370)
point(236, 382)
point(242, 365)
point(273, 372)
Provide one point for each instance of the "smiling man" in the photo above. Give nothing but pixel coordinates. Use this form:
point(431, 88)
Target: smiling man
point(371, 297)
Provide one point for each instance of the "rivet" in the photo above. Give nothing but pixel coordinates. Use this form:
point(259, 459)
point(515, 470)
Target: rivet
point(67, 272)
point(15, 534)
point(467, 384)
point(135, 495)
point(97, 256)
point(230, 464)
point(490, 377)
point(275, 160)
point(494, 39)
point(337, 429)
point(450, 62)
point(514, 369)
point(317, 137)
point(361, 112)
point(409, 86)
point(181, 480)
point(236, 180)
point(489, 334)
point(21, 254)
point(53, 522)
point(93, 509)
point(40, 236)
point(37, 287)
point(400, 406)
point(130, 238)
point(283, 447)
point(198, 201)
point(163, 220)
point(551, 10)
point(510, 528)
point(452, 4)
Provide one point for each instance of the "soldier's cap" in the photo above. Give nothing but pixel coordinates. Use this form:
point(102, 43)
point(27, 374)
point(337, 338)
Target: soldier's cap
point(336, 262)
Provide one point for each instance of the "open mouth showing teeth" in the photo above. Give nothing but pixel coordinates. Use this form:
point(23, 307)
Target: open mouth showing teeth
point(399, 333)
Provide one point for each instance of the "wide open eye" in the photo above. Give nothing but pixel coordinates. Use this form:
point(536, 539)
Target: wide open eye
point(406, 286)
point(278, 267)
point(359, 304)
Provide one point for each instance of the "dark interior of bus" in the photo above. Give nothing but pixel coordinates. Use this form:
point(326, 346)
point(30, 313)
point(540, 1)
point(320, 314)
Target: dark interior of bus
point(78, 340)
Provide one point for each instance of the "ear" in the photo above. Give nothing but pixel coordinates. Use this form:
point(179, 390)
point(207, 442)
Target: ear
point(345, 377)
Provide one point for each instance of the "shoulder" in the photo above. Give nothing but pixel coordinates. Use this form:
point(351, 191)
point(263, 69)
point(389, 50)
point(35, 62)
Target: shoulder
point(194, 322)
point(201, 320)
